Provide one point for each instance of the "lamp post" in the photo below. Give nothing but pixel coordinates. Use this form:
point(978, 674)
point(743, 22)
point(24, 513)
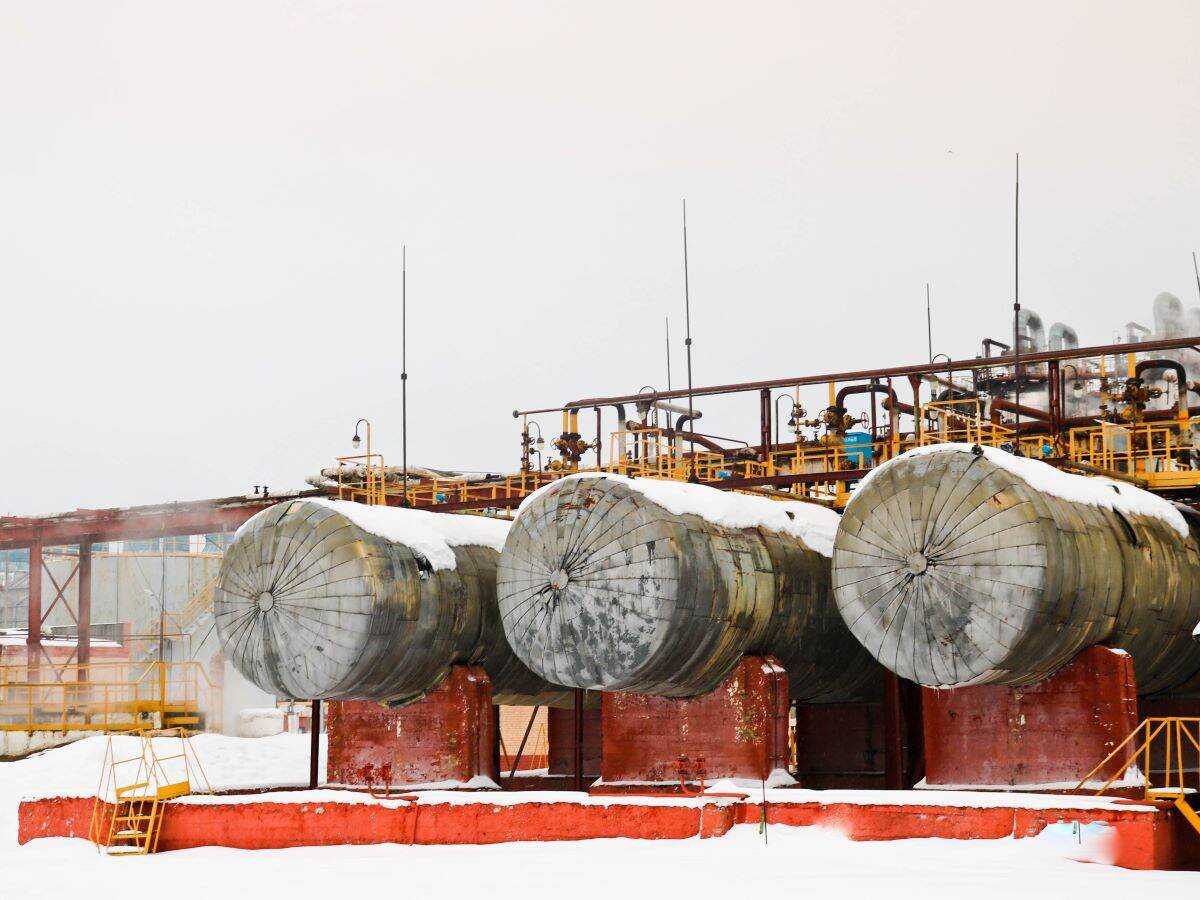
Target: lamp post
point(791, 420)
point(356, 442)
point(539, 443)
point(949, 372)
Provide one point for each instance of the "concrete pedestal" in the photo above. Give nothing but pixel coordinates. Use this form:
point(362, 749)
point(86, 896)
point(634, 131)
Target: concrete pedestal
point(1046, 735)
point(739, 730)
point(446, 738)
point(560, 735)
point(840, 745)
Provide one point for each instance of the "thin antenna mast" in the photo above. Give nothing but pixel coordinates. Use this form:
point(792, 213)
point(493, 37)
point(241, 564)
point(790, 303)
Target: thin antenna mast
point(404, 369)
point(1017, 298)
point(929, 322)
point(687, 309)
point(668, 322)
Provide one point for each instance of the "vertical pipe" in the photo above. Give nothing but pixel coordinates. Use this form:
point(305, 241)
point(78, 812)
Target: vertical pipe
point(915, 382)
point(403, 375)
point(83, 645)
point(1054, 400)
point(929, 322)
point(314, 746)
point(687, 343)
point(764, 422)
point(33, 639)
point(1017, 300)
point(578, 748)
point(893, 753)
point(599, 439)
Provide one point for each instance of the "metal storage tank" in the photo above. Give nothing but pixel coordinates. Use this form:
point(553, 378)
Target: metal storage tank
point(967, 566)
point(310, 604)
point(601, 587)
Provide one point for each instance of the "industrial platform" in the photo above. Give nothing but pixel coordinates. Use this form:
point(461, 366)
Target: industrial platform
point(1134, 834)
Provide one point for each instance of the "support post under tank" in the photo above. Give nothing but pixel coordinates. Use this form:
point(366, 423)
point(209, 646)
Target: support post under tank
point(738, 730)
point(1047, 734)
point(444, 738)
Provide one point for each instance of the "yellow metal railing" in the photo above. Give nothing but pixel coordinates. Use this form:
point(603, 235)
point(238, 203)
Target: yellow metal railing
point(1148, 450)
point(105, 696)
point(1166, 748)
point(1151, 451)
point(362, 478)
point(127, 813)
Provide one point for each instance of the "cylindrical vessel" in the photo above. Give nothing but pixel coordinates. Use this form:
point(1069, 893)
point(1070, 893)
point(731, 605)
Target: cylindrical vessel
point(970, 566)
point(601, 587)
point(311, 605)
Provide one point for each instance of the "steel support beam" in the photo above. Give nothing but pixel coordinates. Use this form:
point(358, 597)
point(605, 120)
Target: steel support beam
point(920, 369)
point(33, 639)
point(83, 645)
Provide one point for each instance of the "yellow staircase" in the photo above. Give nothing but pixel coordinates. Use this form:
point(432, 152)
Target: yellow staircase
point(140, 786)
point(1163, 746)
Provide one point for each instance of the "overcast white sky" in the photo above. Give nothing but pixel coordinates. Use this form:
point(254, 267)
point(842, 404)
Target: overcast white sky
point(202, 207)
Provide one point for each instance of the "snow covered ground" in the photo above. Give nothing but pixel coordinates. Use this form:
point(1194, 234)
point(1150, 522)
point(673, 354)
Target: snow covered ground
point(796, 861)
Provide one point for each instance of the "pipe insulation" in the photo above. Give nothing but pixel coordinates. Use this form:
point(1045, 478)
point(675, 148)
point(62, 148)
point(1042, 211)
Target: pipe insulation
point(660, 587)
point(957, 565)
point(324, 599)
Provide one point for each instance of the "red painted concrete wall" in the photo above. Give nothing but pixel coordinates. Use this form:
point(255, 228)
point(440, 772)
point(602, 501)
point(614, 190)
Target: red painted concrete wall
point(740, 729)
point(447, 736)
point(1051, 732)
point(1155, 839)
point(560, 732)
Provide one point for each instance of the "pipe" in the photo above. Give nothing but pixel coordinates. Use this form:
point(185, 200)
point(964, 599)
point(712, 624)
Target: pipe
point(1062, 337)
point(849, 389)
point(1154, 365)
point(962, 365)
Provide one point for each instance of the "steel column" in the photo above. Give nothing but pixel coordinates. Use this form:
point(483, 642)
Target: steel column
point(314, 746)
point(893, 757)
point(33, 639)
point(764, 415)
point(577, 767)
point(83, 643)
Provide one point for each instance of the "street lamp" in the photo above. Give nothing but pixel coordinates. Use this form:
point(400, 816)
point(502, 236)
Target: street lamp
point(792, 419)
point(356, 441)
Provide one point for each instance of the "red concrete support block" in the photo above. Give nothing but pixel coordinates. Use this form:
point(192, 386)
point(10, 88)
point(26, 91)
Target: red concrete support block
point(1050, 733)
point(739, 730)
point(840, 745)
point(446, 737)
point(560, 735)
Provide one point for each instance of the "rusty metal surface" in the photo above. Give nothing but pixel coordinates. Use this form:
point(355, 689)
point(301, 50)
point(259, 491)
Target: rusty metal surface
point(135, 522)
point(445, 737)
point(308, 605)
point(737, 731)
point(600, 588)
point(953, 571)
point(958, 365)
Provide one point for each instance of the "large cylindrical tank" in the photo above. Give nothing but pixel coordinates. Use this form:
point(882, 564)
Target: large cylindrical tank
point(661, 587)
point(967, 565)
point(321, 599)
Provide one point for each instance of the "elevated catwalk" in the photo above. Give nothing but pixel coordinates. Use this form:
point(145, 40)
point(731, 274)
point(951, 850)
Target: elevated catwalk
point(1131, 834)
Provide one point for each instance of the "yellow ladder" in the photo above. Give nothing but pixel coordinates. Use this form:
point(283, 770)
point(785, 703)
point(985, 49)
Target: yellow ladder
point(1171, 739)
point(135, 824)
